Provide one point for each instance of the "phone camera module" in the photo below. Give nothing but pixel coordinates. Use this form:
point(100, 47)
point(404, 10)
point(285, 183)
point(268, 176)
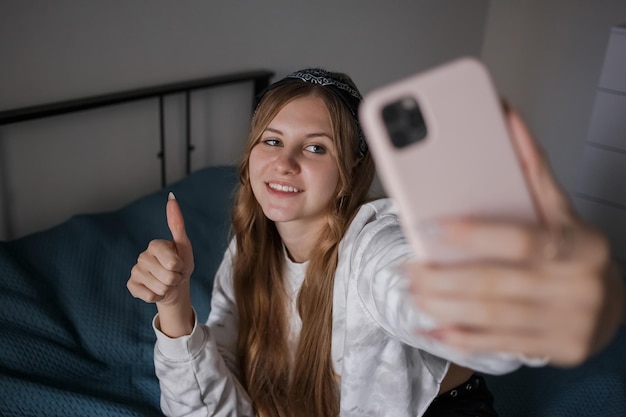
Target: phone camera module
point(404, 122)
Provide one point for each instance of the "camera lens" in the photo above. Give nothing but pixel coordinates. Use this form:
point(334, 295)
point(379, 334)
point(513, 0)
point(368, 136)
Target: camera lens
point(404, 122)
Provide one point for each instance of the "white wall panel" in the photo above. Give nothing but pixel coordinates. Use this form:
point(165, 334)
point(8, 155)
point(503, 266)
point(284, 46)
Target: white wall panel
point(601, 192)
point(608, 126)
point(614, 66)
point(603, 175)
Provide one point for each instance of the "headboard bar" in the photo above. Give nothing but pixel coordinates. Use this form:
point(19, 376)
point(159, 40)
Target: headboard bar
point(260, 79)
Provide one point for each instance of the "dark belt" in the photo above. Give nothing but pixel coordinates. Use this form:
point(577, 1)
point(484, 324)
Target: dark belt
point(471, 398)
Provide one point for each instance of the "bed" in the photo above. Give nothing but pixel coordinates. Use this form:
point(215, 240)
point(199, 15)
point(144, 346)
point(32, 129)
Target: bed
point(74, 342)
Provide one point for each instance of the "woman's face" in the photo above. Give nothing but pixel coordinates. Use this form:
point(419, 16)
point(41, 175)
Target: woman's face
point(293, 172)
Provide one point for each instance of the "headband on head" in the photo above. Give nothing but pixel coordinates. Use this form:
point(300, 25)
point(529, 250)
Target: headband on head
point(336, 82)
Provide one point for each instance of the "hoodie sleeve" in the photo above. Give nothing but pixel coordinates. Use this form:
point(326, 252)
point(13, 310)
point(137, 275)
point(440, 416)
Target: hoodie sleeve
point(377, 256)
point(198, 373)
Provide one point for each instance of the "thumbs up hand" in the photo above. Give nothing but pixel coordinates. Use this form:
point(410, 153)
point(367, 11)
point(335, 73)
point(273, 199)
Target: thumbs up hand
point(161, 274)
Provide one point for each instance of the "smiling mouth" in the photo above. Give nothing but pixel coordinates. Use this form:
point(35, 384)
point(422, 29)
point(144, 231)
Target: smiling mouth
point(283, 188)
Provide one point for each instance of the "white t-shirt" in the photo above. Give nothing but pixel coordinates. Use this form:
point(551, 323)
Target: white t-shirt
point(385, 367)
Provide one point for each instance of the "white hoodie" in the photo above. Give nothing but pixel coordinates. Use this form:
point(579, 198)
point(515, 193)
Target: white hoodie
point(385, 367)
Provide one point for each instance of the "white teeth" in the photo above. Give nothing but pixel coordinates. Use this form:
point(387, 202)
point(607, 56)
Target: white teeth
point(284, 188)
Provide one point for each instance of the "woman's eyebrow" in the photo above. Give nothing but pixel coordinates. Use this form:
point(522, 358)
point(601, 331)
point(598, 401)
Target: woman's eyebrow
point(308, 135)
point(319, 134)
point(270, 129)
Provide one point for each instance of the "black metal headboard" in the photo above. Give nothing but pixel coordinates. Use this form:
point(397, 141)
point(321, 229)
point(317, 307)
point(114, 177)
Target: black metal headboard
point(260, 80)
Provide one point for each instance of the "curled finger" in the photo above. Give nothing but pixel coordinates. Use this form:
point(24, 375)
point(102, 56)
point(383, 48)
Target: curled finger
point(480, 281)
point(492, 240)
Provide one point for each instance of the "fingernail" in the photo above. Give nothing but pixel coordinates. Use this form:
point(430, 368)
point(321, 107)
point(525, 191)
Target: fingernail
point(171, 196)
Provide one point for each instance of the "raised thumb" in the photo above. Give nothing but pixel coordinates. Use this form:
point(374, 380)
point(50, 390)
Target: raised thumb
point(555, 208)
point(176, 224)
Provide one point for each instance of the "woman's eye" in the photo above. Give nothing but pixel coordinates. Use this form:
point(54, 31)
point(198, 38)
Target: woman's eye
point(316, 149)
point(271, 142)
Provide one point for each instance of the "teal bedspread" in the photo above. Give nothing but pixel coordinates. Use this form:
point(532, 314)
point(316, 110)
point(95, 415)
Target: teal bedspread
point(73, 341)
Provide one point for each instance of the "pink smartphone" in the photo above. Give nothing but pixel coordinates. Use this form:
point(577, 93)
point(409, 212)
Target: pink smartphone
point(442, 149)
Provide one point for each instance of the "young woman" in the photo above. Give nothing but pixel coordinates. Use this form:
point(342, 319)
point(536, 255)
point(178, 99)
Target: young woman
point(311, 311)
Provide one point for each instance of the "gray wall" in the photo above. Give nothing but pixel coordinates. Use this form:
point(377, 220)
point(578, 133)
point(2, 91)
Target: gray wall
point(546, 57)
point(66, 49)
point(71, 48)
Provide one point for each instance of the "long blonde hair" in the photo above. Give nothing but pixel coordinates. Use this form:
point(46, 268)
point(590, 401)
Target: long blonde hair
point(307, 386)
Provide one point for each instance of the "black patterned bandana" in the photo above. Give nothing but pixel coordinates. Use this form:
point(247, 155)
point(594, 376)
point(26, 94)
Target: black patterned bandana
point(349, 96)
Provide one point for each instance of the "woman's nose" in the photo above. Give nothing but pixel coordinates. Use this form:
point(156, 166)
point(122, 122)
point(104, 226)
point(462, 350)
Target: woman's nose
point(286, 162)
